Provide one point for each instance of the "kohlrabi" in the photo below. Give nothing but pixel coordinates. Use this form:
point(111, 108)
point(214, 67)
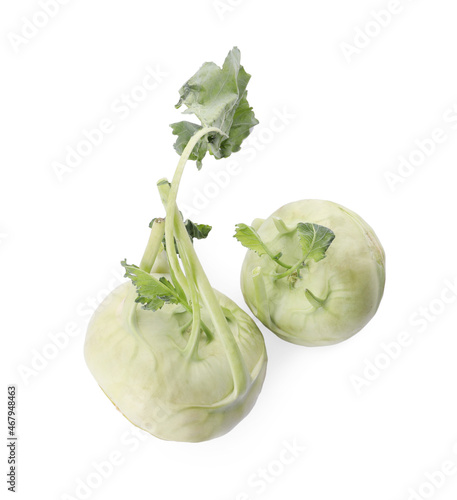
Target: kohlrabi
point(314, 273)
point(178, 358)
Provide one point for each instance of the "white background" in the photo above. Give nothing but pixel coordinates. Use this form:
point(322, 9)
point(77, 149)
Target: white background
point(349, 122)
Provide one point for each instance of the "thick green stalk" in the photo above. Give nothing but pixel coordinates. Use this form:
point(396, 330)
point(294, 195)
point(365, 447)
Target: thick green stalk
point(154, 245)
point(176, 273)
point(171, 205)
point(153, 248)
point(174, 223)
point(191, 349)
point(239, 371)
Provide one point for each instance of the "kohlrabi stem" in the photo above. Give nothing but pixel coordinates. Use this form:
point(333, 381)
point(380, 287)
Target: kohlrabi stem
point(238, 368)
point(276, 258)
point(278, 261)
point(177, 275)
point(154, 245)
point(153, 248)
point(171, 204)
point(316, 302)
point(191, 349)
point(179, 280)
point(161, 263)
point(173, 222)
point(164, 189)
point(290, 271)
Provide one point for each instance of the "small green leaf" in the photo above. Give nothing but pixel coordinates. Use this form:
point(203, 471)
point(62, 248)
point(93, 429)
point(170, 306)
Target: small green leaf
point(153, 294)
point(249, 238)
point(184, 131)
point(198, 231)
point(195, 231)
point(314, 240)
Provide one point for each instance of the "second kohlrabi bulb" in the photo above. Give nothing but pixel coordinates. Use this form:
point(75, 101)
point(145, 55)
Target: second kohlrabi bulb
point(325, 302)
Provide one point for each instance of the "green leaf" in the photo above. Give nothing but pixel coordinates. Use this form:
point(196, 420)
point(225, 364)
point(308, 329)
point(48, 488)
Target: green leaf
point(314, 240)
point(249, 238)
point(153, 294)
point(218, 98)
point(198, 231)
point(195, 231)
point(184, 131)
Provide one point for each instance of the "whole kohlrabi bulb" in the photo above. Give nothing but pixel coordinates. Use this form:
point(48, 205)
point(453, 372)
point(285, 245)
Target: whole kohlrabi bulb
point(138, 358)
point(326, 300)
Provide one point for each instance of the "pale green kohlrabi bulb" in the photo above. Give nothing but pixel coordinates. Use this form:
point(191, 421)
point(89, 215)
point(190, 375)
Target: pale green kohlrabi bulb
point(326, 301)
point(138, 359)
